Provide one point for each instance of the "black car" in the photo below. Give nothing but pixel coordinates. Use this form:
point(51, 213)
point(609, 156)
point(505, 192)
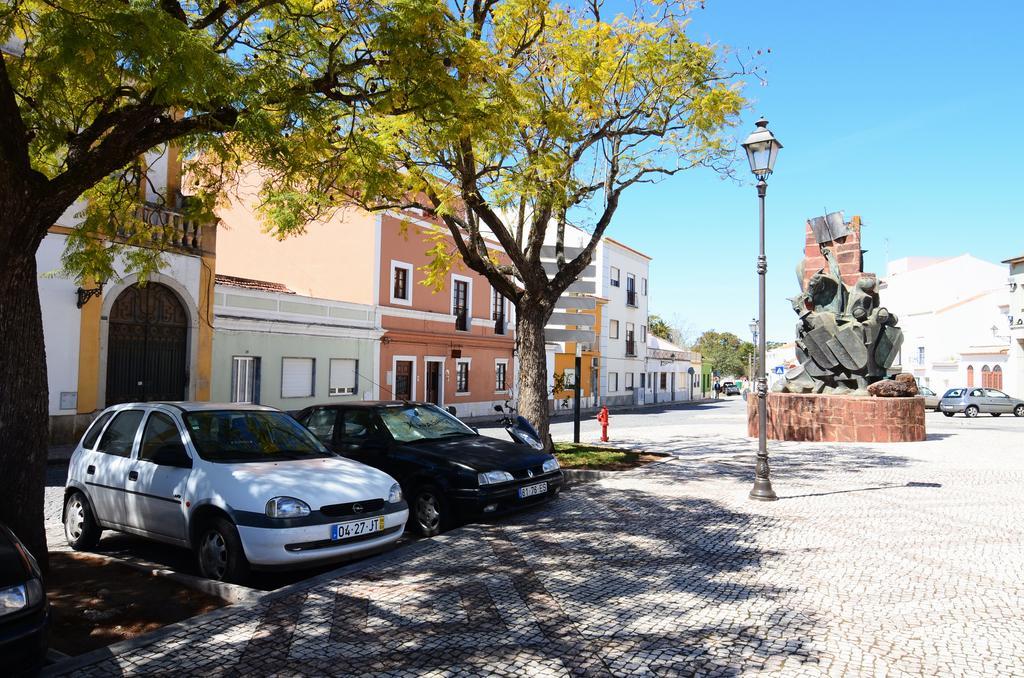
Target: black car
point(447, 470)
point(730, 388)
point(24, 611)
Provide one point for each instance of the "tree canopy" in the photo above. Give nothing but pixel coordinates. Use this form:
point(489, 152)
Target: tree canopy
point(726, 353)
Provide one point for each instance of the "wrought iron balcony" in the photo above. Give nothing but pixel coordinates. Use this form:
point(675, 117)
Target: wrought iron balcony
point(462, 319)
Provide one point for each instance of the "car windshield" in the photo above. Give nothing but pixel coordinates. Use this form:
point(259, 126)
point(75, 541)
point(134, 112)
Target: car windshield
point(230, 437)
point(954, 393)
point(410, 423)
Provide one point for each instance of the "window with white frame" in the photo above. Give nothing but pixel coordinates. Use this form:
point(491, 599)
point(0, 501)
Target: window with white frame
point(401, 283)
point(343, 376)
point(462, 376)
point(500, 376)
point(613, 329)
point(629, 381)
point(643, 286)
point(613, 382)
point(245, 379)
point(297, 377)
point(613, 277)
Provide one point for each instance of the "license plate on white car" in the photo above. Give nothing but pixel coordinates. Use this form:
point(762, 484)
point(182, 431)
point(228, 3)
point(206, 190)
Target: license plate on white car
point(356, 528)
point(533, 490)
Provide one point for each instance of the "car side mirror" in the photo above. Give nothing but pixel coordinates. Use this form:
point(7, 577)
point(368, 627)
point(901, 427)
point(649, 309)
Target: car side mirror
point(173, 455)
point(450, 410)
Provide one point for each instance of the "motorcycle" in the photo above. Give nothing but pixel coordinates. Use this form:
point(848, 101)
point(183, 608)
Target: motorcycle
point(518, 428)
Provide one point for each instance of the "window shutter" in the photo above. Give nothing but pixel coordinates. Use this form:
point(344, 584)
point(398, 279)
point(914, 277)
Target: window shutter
point(296, 377)
point(343, 376)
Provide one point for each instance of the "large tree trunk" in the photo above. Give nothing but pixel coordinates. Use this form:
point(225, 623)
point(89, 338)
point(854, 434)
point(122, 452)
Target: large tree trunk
point(531, 316)
point(23, 397)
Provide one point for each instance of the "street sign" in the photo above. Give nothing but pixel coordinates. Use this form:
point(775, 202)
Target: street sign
point(581, 303)
point(779, 369)
point(574, 319)
point(582, 336)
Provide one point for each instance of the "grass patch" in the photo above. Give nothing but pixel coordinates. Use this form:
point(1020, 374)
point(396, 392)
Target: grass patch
point(600, 458)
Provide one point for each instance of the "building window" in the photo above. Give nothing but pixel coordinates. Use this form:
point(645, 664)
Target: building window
point(500, 369)
point(498, 311)
point(997, 377)
point(643, 380)
point(462, 376)
point(297, 377)
point(970, 376)
point(630, 289)
point(613, 277)
point(920, 355)
point(643, 286)
point(613, 329)
point(460, 303)
point(401, 283)
point(630, 340)
point(643, 333)
point(664, 381)
point(343, 376)
point(629, 381)
point(245, 379)
point(613, 382)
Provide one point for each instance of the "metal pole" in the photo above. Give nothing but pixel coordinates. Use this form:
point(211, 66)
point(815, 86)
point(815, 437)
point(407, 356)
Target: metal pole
point(576, 402)
point(762, 490)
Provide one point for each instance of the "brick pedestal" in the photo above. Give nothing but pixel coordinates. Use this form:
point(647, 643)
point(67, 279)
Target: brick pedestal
point(834, 418)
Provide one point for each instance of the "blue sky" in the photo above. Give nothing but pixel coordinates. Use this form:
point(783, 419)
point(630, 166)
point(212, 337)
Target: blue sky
point(907, 113)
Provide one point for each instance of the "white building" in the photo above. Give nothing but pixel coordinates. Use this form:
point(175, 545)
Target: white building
point(953, 313)
point(1015, 319)
point(673, 373)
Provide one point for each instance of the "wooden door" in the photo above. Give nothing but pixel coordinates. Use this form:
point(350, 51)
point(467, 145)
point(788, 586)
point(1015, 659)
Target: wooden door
point(403, 380)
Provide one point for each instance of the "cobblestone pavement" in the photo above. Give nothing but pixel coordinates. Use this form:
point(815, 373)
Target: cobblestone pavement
point(900, 559)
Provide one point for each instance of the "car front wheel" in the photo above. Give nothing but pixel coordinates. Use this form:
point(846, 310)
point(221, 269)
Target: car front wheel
point(972, 411)
point(1018, 411)
point(80, 527)
point(430, 513)
point(219, 552)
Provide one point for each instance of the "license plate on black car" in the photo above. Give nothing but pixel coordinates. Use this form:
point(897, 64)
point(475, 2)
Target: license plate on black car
point(356, 528)
point(533, 490)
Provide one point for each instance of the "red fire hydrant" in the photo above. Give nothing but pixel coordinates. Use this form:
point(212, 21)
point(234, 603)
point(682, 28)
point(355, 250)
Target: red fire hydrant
point(602, 418)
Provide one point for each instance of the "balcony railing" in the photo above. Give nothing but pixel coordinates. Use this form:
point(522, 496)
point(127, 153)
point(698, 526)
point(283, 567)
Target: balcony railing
point(630, 297)
point(462, 319)
point(168, 229)
point(630, 347)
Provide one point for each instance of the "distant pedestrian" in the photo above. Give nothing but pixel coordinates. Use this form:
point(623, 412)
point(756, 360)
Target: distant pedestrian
point(718, 389)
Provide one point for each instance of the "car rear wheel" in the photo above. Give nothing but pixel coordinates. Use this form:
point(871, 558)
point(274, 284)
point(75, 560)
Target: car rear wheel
point(80, 527)
point(1018, 411)
point(430, 512)
point(996, 414)
point(219, 552)
point(972, 411)
point(948, 414)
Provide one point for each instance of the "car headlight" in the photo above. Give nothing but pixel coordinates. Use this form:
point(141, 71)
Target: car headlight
point(492, 477)
point(287, 507)
point(550, 465)
point(13, 599)
point(395, 494)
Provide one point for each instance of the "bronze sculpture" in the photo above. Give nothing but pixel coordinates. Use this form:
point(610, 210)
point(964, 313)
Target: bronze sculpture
point(845, 340)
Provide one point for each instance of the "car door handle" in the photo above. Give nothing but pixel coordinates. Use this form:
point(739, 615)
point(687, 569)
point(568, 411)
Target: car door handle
point(133, 475)
point(91, 470)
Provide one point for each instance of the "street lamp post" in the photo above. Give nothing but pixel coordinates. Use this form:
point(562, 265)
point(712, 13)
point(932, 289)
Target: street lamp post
point(762, 148)
point(753, 335)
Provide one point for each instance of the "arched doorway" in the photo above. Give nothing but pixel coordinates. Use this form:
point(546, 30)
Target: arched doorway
point(986, 377)
point(147, 346)
point(997, 377)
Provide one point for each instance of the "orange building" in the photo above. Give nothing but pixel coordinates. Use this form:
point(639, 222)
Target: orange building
point(452, 346)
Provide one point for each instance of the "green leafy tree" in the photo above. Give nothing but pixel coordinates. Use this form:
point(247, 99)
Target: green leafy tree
point(658, 327)
point(88, 86)
point(726, 353)
point(559, 111)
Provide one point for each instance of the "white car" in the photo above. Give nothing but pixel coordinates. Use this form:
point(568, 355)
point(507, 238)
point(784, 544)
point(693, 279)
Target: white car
point(242, 485)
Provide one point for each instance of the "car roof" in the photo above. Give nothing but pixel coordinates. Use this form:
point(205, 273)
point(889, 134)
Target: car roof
point(371, 403)
point(197, 406)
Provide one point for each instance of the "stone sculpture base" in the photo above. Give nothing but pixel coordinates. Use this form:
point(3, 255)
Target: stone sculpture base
point(836, 418)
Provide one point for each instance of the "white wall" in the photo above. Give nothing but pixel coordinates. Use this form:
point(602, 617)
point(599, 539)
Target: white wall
point(61, 324)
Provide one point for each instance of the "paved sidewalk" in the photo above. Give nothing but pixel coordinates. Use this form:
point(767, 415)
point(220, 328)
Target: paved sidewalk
point(878, 559)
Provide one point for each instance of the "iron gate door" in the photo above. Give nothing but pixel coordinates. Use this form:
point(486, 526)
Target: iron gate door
point(147, 346)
